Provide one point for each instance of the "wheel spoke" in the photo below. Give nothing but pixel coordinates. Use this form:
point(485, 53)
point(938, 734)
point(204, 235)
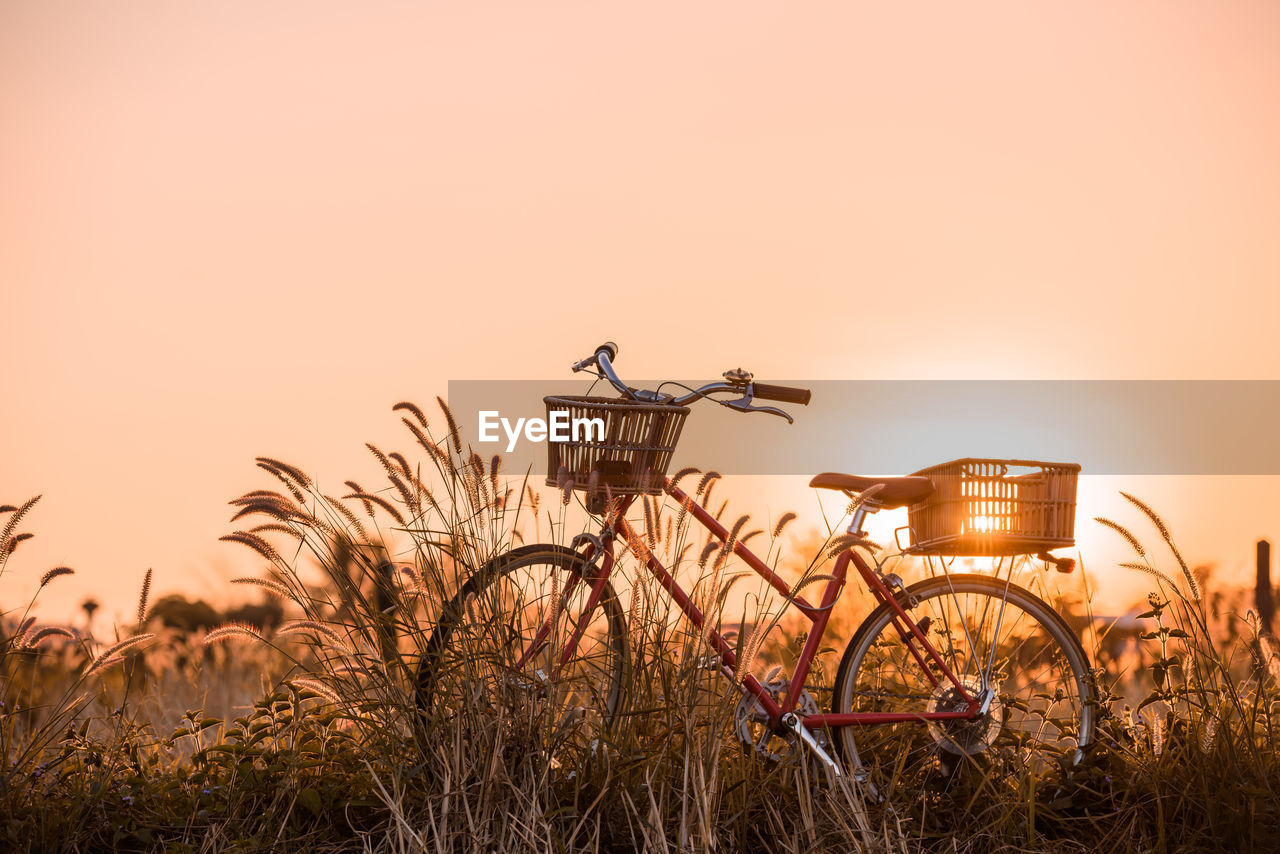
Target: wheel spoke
point(504, 634)
point(989, 632)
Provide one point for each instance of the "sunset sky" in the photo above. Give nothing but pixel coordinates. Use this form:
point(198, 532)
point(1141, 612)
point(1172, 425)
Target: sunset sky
point(236, 229)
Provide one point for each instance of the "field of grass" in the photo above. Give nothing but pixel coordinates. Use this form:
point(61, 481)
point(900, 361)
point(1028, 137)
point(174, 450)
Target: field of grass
point(307, 735)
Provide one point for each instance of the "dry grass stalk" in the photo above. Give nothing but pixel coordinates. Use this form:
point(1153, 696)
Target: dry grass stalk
point(277, 528)
point(750, 650)
point(1192, 584)
point(33, 639)
point(293, 479)
point(278, 510)
point(295, 627)
point(24, 627)
point(254, 542)
point(1152, 571)
point(681, 475)
point(56, 572)
point(1124, 532)
point(106, 658)
point(292, 472)
point(454, 435)
point(275, 588)
point(315, 686)
point(370, 499)
point(411, 407)
point(12, 524)
point(395, 477)
point(650, 533)
point(142, 599)
point(233, 631)
point(357, 488)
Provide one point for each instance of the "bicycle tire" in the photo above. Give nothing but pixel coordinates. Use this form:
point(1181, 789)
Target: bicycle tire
point(473, 638)
point(907, 757)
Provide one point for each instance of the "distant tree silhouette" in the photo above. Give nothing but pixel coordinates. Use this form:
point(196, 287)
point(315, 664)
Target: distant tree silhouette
point(89, 606)
point(178, 612)
point(264, 615)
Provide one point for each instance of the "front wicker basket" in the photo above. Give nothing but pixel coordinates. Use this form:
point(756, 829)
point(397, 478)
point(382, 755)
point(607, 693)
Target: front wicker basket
point(982, 507)
point(630, 457)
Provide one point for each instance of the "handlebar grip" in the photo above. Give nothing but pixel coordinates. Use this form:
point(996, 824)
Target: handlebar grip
point(607, 347)
point(782, 393)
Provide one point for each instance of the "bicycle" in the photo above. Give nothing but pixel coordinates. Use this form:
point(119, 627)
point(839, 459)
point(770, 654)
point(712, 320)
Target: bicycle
point(954, 670)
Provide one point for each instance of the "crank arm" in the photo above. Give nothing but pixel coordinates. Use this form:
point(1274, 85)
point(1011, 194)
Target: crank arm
point(792, 722)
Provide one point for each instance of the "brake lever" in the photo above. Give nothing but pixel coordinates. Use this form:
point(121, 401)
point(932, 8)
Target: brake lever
point(743, 404)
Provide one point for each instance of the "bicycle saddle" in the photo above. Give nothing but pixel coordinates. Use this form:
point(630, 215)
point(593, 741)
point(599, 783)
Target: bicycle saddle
point(897, 492)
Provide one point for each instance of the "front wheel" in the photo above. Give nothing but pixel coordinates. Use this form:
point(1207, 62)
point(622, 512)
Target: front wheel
point(498, 648)
point(991, 636)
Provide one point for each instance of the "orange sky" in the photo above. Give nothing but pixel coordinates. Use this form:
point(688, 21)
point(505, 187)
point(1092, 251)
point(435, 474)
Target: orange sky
point(239, 228)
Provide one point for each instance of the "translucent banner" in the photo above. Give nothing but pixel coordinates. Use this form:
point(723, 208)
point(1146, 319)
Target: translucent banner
point(1132, 427)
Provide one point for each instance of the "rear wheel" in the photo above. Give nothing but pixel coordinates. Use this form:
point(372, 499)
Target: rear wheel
point(1040, 713)
point(499, 644)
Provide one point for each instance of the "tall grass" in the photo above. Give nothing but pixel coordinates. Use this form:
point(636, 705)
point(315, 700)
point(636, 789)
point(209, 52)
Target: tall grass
point(330, 751)
point(668, 773)
point(47, 741)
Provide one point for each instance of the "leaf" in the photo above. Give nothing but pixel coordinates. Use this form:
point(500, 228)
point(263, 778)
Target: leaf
point(1153, 697)
point(310, 799)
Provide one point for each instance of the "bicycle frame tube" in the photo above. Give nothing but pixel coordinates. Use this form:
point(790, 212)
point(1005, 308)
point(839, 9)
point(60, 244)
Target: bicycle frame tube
point(709, 522)
point(915, 640)
point(913, 637)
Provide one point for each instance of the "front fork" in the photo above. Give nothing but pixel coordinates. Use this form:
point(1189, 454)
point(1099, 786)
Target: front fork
point(596, 547)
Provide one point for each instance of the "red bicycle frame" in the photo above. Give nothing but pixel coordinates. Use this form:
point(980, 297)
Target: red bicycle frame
point(913, 637)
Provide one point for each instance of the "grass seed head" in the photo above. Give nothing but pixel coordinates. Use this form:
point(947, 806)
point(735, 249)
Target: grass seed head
point(56, 572)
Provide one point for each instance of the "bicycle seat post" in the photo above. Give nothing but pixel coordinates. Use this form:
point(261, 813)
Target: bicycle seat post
point(865, 506)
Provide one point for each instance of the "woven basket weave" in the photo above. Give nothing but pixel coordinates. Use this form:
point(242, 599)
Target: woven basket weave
point(631, 457)
point(996, 507)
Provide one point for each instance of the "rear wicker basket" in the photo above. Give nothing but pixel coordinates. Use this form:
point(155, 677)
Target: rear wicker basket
point(995, 507)
point(630, 458)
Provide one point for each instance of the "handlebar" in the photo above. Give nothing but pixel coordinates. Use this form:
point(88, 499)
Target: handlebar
point(608, 351)
point(607, 347)
point(782, 393)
